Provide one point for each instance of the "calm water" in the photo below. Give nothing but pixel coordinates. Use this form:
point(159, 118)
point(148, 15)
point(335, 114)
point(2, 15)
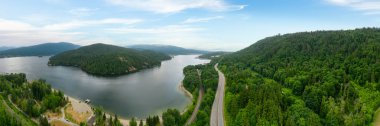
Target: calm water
point(140, 94)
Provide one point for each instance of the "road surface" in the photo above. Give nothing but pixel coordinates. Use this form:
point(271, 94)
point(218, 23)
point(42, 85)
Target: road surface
point(217, 115)
point(91, 121)
point(62, 119)
point(199, 101)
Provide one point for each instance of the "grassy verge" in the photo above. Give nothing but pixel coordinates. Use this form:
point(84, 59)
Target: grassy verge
point(58, 123)
point(24, 119)
point(69, 116)
point(376, 118)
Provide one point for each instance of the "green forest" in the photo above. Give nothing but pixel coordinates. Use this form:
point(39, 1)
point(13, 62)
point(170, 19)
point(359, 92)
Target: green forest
point(305, 79)
point(212, 55)
point(32, 99)
point(108, 60)
point(7, 116)
point(209, 80)
point(102, 120)
point(191, 82)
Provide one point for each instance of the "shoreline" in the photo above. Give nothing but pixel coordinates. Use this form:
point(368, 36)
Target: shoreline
point(186, 92)
point(188, 95)
point(125, 121)
point(79, 105)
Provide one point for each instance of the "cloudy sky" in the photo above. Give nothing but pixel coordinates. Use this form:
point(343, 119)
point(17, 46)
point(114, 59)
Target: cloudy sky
point(202, 24)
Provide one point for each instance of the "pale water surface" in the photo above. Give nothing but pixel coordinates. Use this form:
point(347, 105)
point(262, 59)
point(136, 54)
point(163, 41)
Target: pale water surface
point(148, 92)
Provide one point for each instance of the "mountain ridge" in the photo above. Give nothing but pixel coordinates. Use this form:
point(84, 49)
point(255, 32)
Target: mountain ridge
point(168, 49)
point(45, 49)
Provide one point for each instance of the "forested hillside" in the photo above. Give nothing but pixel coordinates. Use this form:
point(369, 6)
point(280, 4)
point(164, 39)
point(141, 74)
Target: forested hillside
point(108, 60)
point(167, 49)
point(46, 49)
point(23, 102)
point(2, 48)
point(212, 55)
point(191, 82)
point(209, 80)
point(310, 78)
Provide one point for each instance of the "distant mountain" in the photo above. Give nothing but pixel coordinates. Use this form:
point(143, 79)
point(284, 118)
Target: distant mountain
point(2, 48)
point(168, 49)
point(46, 49)
point(108, 60)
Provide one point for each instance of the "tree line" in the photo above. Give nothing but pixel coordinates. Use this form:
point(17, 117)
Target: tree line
point(309, 78)
point(33, 98)
point(108, 60)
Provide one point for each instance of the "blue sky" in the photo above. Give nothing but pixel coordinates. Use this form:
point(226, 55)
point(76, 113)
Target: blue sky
point(202, 24)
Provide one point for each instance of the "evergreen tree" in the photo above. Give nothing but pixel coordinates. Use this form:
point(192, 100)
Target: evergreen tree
point(133, 122)
point(141, 123)
point(44, 121)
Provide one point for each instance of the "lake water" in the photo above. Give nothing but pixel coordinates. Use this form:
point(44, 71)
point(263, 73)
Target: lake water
point(148, 92)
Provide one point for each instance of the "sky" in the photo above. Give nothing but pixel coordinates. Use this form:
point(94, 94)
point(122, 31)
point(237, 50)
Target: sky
point(227, 25)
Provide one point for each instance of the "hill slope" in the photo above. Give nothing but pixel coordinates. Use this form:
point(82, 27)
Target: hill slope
point(213, 55)
point(108, 60)
point(2, 48)
point(167, 49)
point(311, 78)
point(46, 49)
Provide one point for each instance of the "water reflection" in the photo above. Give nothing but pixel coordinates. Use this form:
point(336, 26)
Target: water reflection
point(136, 95)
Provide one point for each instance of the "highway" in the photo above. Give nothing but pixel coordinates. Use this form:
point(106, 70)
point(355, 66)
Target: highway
point(217, 114)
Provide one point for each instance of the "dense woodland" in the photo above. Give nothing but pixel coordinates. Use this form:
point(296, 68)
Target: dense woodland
point(108, 60)
point(102, 120)
point(32, 98)
point(7, 118)
point(209, 80)
point(46, 49)
point(309, 78)
point(152, 121)
point(191, 82)
point(212, 55)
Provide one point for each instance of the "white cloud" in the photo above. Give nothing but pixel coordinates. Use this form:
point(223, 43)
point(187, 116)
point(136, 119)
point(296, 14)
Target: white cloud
point(197, 20)
point(159, 30)
point(18, 33)
point(55, 1)
point(173, 6)
point(368, 7)
point(10, 25)
point(80, 12)
point(340, 2)
point(83, 23)
point(119, 21)
point(25, 38)
point(179, 35)
point(182, 39)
